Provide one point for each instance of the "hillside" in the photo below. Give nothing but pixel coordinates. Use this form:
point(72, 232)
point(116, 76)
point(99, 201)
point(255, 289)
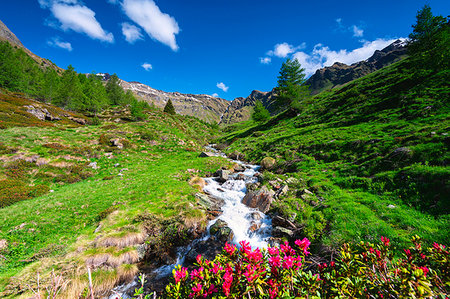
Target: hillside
point(375, 154)
point(326, 78)
point(69, 186)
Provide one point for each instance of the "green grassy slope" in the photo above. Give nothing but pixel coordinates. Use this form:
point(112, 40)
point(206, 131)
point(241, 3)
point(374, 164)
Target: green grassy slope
point(134, 189)
point(377, 142)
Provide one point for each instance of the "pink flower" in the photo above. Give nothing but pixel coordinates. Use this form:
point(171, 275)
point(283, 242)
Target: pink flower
point(273, 250)
point(275, 261)
point(230, 249)
point(425, 270)
point(245, 246)
point(199, 259)
point(385, 241)
point(288, 262)
point(438, 247)
point(408, 253)
point(180, 275)
point(286, 249)
point(250, 273)
point(212, 289)
point(197, 291)
point(304, 245)
point(197, 274)
point(332, 264)
point(378, 253)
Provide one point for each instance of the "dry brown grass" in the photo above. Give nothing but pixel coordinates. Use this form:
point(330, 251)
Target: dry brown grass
point(110, 260)
point(121, 242)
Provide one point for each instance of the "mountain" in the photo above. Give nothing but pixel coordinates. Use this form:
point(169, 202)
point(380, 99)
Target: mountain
point(326, 78)
point(202, 106)
point(340, 73)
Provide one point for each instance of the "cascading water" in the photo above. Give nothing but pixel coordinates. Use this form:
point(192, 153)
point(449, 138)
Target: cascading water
point(246, 223)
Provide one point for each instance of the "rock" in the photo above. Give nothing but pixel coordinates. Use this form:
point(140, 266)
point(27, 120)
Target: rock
point(281, 232)
point(209, 202)
point(236, 155)
point(206, 154)
point(32, 158)
point(391, 206)
point(268, 163)
point(292, 181)
point(93, 165)
point(197, 182)
point(282, 222)
point(223, 175)
point(254, 227)
point(80, 121)
point(41, 113)
point(3, 244)
point(238, 168)
point(253, 186)
point(240, 176)
point(141, 250)
point(216, 226)
point(282, 191)
point(225, 234)
point(306, 191)
point(255, 216)
point(208, 249)
point(41, 161)
point(260, 200)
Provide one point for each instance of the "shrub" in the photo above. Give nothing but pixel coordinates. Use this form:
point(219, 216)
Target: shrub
point(362, 271)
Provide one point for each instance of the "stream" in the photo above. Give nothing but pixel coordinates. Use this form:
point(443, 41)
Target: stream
point(246, 223)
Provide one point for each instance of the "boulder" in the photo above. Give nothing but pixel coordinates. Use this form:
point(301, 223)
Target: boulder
point(282, 191)
point(261, 199)
point(292, 181)
point(281, 232)
point(3, 244)
point(238, 168)
point(254, 227)
point(93, 165)
point(80, 121)
point(209, 202)
point(217, 226)
point(206, 155)
point(240, 176)
point(236, 155)
point(268, 163)
point(41, 113)
point(282, 222)
point(223, 175)
point(253, 186)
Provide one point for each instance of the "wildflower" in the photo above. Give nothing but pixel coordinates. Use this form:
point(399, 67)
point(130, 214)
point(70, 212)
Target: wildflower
point(408, 253)
point(212, 289)
point(245, 246)
point(197, 290)
point(332, 264)
point(378, 253)
point(288, 262)
point(304, 245)
point(322, 266)
point(385, 241)
point(250, 273)
point(180, 274)
point(438, 247)
point(199, 259)
point(425, 270)
point(230, 249)
point(273, 250)
point(275, 261)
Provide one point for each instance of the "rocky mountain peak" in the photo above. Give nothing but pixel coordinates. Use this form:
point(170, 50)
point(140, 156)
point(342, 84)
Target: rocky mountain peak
point(6, 34)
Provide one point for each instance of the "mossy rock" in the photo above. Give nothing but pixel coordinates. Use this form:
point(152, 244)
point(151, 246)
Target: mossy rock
point(268, 163)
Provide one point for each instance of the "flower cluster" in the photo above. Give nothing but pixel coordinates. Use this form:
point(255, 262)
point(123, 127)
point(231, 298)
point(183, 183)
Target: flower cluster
point(363, 271)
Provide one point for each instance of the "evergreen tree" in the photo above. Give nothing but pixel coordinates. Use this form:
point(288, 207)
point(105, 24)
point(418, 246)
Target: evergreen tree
point(50, 84)
point(260, 113)
point(423, 37)
point(169, 108)
point(94, 94)
point(290, 83)
point(114, 91)
point(70, 93)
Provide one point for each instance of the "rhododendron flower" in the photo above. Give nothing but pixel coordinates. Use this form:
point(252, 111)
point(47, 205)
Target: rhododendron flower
point(254, 256)
point(408, 252)
point(385, 241)
point(180, 274)
point(212, 289)
point(230, 249)
point(250, 273)
point(197, 290)
point(288, 262)
point(275, 261)
point(425, 270)
point(378, 253)
point(304, 245)
point(286, 249)
point(438, 247)
point(197, 273)
point(332, 264)
point(273, 250)
point(245, 246)
point(199, 259)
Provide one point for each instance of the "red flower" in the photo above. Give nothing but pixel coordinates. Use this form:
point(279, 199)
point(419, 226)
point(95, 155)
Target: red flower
point(230, 249)
point(425, 270)
point(273, 250)
point(245, 246)
point(275, 261)
point(180, 275)
point(385, 241)
point(288, 262)
point(304, 245)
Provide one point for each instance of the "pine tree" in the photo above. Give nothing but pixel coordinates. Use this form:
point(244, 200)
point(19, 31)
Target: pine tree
point(291, 88)
point(115, 92)
point(70, 93)
point(260, 113)
point(169, 108)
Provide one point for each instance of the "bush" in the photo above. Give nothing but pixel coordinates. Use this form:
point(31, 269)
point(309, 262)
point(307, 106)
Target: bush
point(362, 271)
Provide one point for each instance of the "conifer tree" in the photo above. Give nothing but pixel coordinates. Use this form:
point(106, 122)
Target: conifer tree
point(260, 113)
point(115, 92)
point(169, 108)
point(70, 93)
point(291, 88)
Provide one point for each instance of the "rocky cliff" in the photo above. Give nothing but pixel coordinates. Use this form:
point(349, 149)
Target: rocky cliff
point(202, 106)
point(340, 73)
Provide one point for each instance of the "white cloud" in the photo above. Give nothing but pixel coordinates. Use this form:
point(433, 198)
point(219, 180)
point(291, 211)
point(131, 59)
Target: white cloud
point(131, 33)
point(265, 60)
point(357, 32)
point(222, 86)
point(339, 21)
point(159, 26)
point(58, 43)
point(147, 66)
point(73, 15)
point(322, 56)
point(284, 49)
point(216, 95)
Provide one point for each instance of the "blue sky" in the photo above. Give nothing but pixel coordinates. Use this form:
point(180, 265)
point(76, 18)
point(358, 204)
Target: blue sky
point(227, 48)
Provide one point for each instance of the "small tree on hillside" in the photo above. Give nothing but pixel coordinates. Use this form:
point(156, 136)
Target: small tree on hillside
point(423, 37)
point(169, 108)
point(291, 88)
point(260, 113)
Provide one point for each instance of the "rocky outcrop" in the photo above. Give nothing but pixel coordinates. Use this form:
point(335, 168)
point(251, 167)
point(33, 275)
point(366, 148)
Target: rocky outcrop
point(340, 73)
point(261, 199)
point(41, 113)
point(205, 107)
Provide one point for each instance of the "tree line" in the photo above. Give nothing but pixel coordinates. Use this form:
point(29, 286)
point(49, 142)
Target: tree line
point(71, 90)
